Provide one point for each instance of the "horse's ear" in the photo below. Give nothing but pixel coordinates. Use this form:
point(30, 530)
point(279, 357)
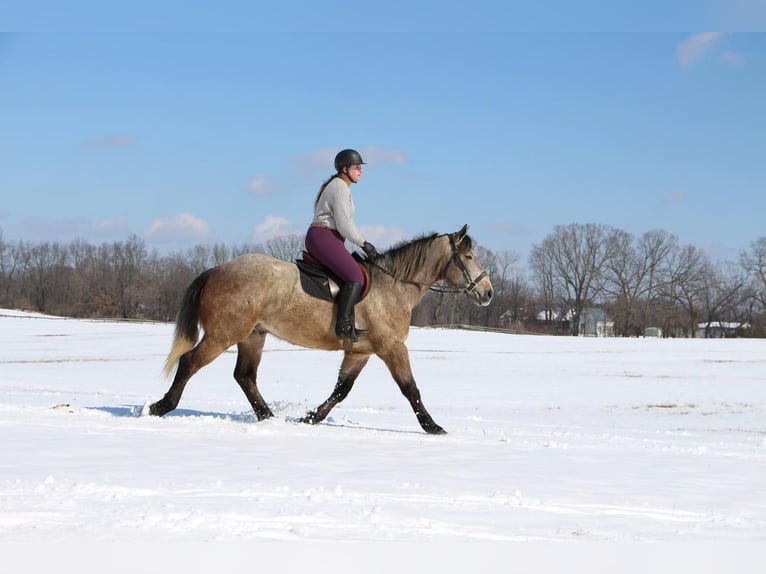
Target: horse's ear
point(462, 233)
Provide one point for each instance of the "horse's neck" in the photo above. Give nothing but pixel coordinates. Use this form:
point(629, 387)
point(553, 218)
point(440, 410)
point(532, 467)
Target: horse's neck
point(429, 273)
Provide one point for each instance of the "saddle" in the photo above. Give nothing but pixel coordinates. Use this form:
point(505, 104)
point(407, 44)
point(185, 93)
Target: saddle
point(320, 282)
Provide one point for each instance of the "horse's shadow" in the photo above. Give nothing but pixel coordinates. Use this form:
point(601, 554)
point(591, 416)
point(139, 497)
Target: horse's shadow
point(335, 424)
point(134, 411)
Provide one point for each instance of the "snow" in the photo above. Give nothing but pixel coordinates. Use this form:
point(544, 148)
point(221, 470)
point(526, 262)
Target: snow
point(596, 442)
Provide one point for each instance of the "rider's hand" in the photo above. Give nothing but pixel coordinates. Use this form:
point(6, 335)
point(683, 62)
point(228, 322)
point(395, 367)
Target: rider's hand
point(369, 250)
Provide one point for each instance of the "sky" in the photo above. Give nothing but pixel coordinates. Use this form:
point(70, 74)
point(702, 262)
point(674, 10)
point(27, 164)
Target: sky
point(194, 135)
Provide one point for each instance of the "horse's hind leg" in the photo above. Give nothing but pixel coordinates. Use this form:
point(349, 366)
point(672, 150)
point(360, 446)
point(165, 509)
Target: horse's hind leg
point(188, 365)
point(352, 365)
point(245, 373)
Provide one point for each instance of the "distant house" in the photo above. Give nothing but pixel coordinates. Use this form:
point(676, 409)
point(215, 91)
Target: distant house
point(653, 332)
point(547, 316)
point(720, 329)
point(506, 318)
point(595, 322)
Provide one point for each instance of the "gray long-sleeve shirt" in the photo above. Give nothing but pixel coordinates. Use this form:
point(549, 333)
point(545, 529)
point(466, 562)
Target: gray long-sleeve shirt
point(335, 209)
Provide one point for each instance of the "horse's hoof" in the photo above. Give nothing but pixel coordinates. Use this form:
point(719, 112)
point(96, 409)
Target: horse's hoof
point(435, 429)
point(154, 410)
point(309, 419)
point(264, 415)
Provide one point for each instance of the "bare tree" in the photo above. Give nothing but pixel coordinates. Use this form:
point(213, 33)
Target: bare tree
point(285, 247)
point(221, 254)
point(433, 309)
point(650, 280)
point(722, 295)
point(9, 262)
point(633, 277)
point(654, 248)
point(683, 272)
point(513, 295)
point(484, 315)
point(129, 261)
point(502, 268)
point(753, 260)
point(199, 258)
point(246, 248)
point(41, 263)
point(623, 273)
point(167, 278)
point(542, 265)
point(81, 259)
point(575, 255)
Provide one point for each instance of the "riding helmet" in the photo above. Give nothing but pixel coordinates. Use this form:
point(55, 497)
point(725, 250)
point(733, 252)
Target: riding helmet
point(347, 157)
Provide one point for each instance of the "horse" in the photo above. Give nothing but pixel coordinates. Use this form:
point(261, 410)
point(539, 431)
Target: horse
point(243, 300)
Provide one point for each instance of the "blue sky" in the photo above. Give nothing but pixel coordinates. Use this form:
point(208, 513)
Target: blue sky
point(192, 137)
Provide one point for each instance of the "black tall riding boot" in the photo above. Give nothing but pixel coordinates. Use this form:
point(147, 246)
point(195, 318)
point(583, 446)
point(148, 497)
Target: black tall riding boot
point(347, 297)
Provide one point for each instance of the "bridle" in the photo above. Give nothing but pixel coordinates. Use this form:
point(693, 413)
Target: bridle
point(470, 285)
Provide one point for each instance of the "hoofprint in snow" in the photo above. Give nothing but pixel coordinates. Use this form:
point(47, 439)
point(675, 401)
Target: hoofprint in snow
point(550, 439)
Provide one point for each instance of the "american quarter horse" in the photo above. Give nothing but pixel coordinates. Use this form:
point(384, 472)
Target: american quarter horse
point(243, 300)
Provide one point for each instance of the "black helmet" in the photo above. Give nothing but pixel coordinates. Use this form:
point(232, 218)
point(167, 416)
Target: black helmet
point(347, 157)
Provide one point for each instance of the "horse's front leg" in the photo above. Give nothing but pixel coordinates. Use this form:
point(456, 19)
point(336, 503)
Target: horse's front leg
point(397, 359)
point(352, 365)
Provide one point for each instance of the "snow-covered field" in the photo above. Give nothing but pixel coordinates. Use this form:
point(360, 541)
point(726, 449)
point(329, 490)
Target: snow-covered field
point(550, 439)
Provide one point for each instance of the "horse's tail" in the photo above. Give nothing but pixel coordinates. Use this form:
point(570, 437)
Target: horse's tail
point(187, 322)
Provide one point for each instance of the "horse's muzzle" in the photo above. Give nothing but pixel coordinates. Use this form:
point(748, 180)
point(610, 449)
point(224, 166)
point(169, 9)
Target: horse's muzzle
point(482, 292)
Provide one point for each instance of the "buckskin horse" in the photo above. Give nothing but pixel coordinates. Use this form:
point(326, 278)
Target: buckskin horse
point(247, 298)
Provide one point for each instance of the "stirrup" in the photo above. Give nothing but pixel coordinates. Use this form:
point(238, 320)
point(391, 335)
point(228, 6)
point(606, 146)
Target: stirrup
point(349, 332)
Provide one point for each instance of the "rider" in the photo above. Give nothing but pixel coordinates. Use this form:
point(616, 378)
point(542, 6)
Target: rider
point(333, 223)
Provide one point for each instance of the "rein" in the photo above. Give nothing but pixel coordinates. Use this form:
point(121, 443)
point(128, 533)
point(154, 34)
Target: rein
point(470, 286)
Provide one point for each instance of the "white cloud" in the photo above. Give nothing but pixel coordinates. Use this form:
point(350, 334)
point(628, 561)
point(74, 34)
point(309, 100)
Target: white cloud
point(381, 236)
point(261, 185)
point(691, 50)
point(270, 228)
point(181, 227)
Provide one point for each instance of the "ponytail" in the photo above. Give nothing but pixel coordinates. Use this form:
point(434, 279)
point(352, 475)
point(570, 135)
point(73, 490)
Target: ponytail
point(321, 189)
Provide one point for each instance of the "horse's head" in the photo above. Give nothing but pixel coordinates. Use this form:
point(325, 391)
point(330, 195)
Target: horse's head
point(464, 270)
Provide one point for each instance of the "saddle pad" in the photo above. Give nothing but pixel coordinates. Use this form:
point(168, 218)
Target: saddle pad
point(317, 285)
point(320, 282)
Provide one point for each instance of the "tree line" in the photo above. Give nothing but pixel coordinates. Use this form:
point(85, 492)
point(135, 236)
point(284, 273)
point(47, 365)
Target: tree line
point(651, 280)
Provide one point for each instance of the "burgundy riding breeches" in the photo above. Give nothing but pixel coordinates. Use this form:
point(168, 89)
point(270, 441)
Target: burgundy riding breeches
point(328, 247)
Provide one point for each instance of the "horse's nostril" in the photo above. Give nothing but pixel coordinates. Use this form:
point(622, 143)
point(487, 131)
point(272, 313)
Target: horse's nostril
point(489, 294)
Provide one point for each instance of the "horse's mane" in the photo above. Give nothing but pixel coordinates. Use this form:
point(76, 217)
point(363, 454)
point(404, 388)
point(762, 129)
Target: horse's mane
point(405, 258)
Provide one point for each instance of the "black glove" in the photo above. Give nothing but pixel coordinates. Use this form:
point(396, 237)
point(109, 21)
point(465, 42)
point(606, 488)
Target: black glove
point(369, 250)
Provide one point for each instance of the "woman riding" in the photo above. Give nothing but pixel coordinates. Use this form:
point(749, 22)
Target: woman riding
point(333, 223)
